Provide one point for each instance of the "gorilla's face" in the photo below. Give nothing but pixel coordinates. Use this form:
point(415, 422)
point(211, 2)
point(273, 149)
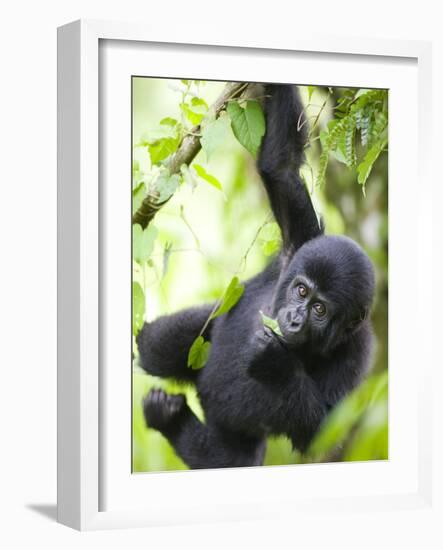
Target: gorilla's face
point(326, 293)
point(306, 314)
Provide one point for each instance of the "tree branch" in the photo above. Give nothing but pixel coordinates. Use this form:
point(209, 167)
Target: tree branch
point(190, 146)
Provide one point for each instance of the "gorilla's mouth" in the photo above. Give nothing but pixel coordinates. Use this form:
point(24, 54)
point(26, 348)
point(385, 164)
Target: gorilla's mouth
point(291, 338)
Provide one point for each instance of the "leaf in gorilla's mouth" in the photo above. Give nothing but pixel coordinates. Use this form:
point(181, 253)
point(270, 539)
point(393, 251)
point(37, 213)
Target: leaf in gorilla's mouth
point(271, 323)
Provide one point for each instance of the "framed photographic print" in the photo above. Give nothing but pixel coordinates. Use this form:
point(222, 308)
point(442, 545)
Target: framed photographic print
point(235, 238)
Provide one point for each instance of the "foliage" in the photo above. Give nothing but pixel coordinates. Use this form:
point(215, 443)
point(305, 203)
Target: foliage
point(357, 422)
point(199, 352)
point(358, 111)
point(159, 184)
point(212, 230)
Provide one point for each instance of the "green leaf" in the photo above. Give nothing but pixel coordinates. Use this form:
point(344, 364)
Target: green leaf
point(370, 441)
point(271, 323)
point(168, 121)
point(207, 177)
point(248, 124)
point(165, 186)
point(231, 296)
point(365, 125)
point(214, 135)
point(138, 307)
point(169, 128)
point(365, 167)
point(270, 238)
point(163, 148)
point(198, 354)
point(195, 111)
point(349, 133)
point(199, 104)
point(143, 242)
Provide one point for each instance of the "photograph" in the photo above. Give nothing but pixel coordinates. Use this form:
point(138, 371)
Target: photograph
point(259, 274)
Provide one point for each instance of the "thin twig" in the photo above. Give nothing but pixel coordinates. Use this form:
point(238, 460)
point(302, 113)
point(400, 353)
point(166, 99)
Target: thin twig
point(319, 114)
point(246, 254)
point(239, 270)
point(189, 226)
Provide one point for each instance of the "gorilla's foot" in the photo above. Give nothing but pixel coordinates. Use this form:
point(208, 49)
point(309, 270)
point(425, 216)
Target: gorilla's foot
point(161, 409)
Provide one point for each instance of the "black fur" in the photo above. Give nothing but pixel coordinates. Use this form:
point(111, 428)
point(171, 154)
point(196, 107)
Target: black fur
point(320, 288)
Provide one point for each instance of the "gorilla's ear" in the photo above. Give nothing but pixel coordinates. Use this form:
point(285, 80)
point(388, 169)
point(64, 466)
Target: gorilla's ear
point(358, 320)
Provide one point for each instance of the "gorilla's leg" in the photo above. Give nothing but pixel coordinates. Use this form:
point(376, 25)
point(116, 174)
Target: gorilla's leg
point(164, 344)
point(199, 445)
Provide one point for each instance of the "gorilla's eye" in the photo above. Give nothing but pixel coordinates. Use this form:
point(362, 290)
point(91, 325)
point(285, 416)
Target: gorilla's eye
point(319, 308)
point(302, 290)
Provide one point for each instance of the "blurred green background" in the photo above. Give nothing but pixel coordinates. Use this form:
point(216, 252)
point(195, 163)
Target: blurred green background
point(204, 233)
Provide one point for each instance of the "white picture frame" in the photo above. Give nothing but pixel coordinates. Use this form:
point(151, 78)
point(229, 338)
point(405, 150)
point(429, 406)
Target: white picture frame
point(95, 487)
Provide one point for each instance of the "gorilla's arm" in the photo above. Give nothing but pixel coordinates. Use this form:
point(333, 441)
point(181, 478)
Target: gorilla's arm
point(306, 410)
point(280, 158)
point(303, 406)
point(345, 369)
point(164, 344)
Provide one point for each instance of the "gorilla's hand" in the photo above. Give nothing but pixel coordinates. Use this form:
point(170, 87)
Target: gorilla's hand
point(265, 341)
point(268, 353)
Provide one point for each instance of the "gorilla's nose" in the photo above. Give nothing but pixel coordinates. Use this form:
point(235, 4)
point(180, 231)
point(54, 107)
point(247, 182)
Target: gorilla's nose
point(295, 320)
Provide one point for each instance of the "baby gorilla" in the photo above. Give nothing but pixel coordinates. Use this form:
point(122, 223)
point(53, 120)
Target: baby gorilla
point(257, 383)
